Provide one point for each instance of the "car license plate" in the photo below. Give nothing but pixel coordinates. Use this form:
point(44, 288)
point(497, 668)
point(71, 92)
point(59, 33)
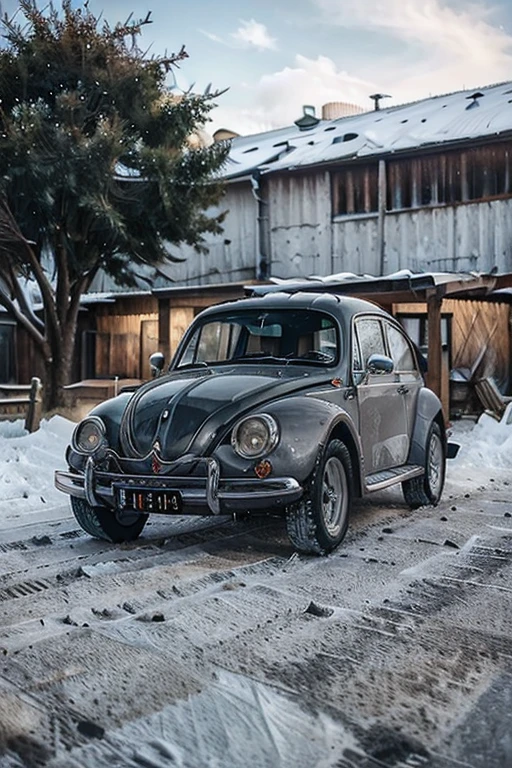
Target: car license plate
point(144, 500)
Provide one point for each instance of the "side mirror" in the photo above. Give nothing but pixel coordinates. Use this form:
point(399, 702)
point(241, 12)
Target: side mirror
point(156, 363)
point(379, 364)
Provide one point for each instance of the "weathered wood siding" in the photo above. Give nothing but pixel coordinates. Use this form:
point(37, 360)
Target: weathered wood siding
point(462, 238)
point(481, 334)
point(306, 240)
point(481, 329)
point(126, 334)
point(355, 246)
point(299, 207)
point(232, 256)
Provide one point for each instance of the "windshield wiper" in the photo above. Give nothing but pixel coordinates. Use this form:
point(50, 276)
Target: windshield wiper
point(259, 357)
point(187, 366)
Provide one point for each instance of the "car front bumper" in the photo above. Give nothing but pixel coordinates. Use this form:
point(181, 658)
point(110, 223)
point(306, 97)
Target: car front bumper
point(206, 494)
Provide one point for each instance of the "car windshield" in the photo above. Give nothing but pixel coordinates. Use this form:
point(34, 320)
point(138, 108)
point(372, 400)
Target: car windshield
point(273, 336)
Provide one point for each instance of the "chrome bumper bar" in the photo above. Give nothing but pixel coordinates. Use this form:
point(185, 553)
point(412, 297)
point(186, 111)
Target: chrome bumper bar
point(200, 495)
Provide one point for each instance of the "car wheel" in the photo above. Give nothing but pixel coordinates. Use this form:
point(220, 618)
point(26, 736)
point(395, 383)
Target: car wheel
point(427, 489)
point(108, 524)
point(318, 522)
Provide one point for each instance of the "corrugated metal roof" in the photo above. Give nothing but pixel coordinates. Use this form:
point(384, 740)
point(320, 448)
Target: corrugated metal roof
point(441, 119)
point(455, 284)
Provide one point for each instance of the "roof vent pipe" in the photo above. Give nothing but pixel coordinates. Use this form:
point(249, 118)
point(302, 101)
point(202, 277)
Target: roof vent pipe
point(308, 119)
point(377, 97)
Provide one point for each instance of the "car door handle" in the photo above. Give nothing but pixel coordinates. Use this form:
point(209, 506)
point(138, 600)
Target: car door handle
point(402, 390)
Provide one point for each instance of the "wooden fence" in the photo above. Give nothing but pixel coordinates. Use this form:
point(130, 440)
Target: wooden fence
point(18, 400)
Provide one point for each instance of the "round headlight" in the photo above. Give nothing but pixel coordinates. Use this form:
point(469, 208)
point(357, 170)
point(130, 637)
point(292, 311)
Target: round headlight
point(255, 436)
point(89, 435)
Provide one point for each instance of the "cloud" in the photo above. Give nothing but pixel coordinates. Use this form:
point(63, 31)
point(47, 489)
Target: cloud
point(277, 99)
point(212, 36)
point(252, 33)
point(453, 47)
point(433, 47)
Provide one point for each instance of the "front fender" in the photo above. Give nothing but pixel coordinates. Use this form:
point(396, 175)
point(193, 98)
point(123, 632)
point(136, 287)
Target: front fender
point(305, 425)
point(111, 413)
point(429, 409)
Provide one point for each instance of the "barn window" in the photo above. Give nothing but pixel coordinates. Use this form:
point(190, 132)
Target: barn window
point(7, 351)
point(355, 190)
point(455, 177)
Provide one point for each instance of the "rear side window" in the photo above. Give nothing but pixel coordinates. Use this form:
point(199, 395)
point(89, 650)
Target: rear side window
point(400, 350)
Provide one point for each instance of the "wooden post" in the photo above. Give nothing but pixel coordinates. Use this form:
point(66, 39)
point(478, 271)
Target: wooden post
point(35, 405)
point(164, 329)
point(434, 373)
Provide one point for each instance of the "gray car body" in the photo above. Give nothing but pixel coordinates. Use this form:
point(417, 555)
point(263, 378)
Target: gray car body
point(191, 412)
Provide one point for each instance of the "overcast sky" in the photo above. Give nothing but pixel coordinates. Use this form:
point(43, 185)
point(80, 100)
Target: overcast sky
point(276, 55)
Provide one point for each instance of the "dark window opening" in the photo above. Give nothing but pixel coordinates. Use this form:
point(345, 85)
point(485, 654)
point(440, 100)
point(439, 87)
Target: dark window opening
point(356, 190)
point(7, 353)
point(455, 177)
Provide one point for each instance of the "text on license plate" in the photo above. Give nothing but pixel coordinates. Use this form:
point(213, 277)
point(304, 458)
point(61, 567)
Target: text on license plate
point(150, 501)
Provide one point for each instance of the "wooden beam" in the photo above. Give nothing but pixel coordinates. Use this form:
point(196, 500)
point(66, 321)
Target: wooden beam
point(434, 373)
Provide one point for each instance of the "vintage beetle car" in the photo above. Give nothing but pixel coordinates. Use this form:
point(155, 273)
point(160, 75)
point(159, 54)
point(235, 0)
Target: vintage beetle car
point(291, 403)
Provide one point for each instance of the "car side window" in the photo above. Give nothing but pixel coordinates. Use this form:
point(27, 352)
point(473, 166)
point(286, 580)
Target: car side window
point(369, 341)
point(400, 350)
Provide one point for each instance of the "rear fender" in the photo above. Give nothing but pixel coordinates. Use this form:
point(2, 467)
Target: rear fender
point(429, 409)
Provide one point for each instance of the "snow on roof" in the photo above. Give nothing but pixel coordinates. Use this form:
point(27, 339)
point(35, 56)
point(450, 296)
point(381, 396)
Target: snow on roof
point(441, 119)
point(436, 278)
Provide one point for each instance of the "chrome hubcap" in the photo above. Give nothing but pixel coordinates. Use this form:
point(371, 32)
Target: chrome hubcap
point(334, 496)
point(435, 464)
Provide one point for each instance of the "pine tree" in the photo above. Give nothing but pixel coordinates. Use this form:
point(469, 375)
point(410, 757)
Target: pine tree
point(96, 170)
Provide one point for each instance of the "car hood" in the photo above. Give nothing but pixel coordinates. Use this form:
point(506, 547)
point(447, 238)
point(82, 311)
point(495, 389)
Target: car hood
point(184, 413)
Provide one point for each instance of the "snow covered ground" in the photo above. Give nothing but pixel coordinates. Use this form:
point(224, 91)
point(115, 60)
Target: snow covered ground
point(28, 461)
point(217, 645)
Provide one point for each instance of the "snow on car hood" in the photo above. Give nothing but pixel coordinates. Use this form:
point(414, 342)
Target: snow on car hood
point(182, 412)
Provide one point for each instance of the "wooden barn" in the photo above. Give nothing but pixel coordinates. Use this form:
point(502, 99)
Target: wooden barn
point(425, 187)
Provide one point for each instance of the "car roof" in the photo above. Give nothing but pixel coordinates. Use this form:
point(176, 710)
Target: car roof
point(346, 306)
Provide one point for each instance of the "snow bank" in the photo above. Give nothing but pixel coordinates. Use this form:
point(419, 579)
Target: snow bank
point(28, 461)
point(487, 444)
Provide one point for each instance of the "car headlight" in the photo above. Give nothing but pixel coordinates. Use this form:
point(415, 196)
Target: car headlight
point(254, 436)
point(89, 435)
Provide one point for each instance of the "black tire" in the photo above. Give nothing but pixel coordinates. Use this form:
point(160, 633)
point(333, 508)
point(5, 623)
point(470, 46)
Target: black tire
point(108, 524)
point(427, 489)
point(318, 522)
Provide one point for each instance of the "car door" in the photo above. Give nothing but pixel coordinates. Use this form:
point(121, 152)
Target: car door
point(382, 414)
point(406, 369)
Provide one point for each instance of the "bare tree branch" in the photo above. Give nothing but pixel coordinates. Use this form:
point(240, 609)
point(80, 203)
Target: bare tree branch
point(10, 232)
point(24, 321)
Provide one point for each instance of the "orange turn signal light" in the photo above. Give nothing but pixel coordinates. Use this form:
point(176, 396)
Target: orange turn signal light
point(263, 469)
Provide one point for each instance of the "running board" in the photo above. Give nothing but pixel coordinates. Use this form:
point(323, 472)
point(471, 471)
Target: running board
point(380, 480)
